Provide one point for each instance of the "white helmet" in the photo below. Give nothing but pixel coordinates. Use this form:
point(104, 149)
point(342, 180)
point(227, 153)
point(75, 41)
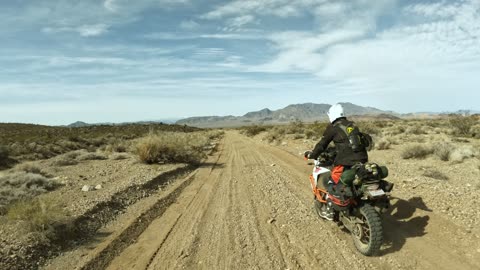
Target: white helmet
point(335, 112)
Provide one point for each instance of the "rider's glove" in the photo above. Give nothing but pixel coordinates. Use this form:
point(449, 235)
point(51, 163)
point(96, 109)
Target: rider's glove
point(306, 154)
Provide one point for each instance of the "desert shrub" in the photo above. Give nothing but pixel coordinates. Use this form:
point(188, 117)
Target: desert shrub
point(67, 159)
point(215, 134)
point(172, 147)
point(31, 168)
point(76, 138)
point(4, 152)
point(91, 156)
point(462, 124)
point(443, 150)
point(309, 134)
point(38, 214)
point(116, 145)
point(418, 151)
point(318, 127)
point(4, 155)
point(253, 130)
point(397, 129)
point(381, 124)
point(295, 127)
point(369, 127)
point(118, 156)
point(475, 131)
point(65, 146)
point(431, 123)
point(383, 144)
point(20, 185)
point(415, 129)
point(435, 174)
point(461, 153)
point(297, 136)
point(271, 137)
point(275, 134)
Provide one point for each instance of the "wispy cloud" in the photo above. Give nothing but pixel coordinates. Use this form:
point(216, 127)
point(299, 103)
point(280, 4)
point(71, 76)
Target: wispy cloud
point(370, 52)
point(187, 36)
point(92, 30)
point(110, 5)
point(189, 25)
point(240, 21)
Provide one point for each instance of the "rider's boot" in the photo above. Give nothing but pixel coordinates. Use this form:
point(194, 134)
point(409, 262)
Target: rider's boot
point(327, 210)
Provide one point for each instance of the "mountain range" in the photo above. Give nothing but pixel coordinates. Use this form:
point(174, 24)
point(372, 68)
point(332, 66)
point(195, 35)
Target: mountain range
point(306, 112)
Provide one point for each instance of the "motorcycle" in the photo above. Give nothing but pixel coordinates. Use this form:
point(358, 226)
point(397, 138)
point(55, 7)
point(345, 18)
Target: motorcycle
point(356, 207)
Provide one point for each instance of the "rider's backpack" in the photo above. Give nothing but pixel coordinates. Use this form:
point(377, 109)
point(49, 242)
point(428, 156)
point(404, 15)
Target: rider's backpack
point(358, 141)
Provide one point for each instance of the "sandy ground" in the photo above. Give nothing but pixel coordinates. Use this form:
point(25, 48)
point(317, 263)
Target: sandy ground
point(250, 207)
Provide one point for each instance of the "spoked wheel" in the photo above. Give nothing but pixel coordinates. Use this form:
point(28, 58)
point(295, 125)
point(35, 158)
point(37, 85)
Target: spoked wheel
point(368, 235)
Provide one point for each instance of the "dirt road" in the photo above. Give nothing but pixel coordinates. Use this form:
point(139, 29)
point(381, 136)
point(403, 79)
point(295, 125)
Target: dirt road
point(251, 208)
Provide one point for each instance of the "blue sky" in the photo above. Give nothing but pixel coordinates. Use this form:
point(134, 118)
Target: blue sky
point(119, 60)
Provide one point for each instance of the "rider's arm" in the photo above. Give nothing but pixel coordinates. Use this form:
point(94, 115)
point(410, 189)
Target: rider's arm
point(323, 143)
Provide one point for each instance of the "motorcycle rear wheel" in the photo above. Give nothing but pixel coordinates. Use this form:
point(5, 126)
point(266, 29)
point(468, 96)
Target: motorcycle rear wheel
point(368, 236)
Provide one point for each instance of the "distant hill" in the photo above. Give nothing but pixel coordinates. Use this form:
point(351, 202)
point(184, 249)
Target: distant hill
point(83, 124)
point(79, 124)
point(307, 112)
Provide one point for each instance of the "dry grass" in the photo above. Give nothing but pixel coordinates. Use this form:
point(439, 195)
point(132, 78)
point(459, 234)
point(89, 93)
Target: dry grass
point(459, 154)
point(371, 127)
point(475, 131)
point(395, 129)
point(38, 214)
point(383, 144)
point(31, 168)
point(91, 156)
point(67, 159)
point(418, 151)
point(33, 142)
point(117, 146)
point(19, 185)
point(170, 147)
point(443, 150)
point(416, 129)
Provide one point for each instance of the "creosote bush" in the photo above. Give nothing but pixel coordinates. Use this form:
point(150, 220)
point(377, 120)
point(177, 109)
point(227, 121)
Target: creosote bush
point(462, 124)
point(172, 147)
point(418, 151)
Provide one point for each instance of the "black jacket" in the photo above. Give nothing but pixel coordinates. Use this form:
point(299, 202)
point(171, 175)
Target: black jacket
point(345, 155)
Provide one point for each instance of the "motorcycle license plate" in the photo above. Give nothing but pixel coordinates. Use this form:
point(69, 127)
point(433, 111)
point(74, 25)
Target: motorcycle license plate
point(376, 193)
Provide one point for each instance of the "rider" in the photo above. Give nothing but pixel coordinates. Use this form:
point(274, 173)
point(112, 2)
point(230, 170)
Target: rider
point(347, 156)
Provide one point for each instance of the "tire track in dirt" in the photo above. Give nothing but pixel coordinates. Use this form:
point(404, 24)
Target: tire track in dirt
point(246, 214)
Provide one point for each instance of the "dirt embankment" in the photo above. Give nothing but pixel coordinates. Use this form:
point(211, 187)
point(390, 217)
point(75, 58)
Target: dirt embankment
point(250, 207)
